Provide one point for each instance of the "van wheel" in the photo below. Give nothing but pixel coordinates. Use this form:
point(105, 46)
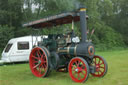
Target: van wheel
point(38, 62)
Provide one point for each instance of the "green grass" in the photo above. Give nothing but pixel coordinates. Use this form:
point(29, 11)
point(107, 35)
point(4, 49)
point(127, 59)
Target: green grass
point(20, 74)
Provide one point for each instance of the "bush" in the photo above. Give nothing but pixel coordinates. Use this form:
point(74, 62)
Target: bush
point(112, 38)
point(106, 38)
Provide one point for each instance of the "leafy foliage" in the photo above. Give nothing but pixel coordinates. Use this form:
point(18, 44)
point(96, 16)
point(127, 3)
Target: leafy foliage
point(107, 17)
point(6, 33)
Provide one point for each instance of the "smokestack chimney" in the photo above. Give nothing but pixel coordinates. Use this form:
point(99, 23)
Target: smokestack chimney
point(83, 24)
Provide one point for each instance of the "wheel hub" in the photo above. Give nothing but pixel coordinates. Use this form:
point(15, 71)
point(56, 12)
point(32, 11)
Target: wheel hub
point(39, 62)
point(97, 67)
point(78, 70)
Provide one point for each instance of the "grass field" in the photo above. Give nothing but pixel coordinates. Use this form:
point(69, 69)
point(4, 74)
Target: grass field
point(20, 74)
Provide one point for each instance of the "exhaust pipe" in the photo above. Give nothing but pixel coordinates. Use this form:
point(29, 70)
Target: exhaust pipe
point(83, 24)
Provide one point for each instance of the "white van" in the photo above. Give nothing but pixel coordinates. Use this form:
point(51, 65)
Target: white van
point(18, 49)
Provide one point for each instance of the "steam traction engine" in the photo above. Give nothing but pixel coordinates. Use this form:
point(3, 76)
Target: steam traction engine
point(65, 52)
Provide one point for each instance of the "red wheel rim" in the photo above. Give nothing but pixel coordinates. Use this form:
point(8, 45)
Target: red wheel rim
point(100, 66)
point(38, 62)
point(77, 70)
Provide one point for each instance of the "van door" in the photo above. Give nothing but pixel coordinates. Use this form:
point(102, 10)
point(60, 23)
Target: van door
point(21, 52)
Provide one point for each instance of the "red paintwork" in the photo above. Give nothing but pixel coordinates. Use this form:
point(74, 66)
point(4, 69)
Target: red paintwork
point(81, 73)
point(38, 62)
point(100, 66)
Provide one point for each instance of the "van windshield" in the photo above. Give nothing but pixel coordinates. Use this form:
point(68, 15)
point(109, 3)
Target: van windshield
point(8, 47)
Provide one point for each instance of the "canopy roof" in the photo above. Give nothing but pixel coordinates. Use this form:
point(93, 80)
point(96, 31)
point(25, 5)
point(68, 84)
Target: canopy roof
point(63, 18)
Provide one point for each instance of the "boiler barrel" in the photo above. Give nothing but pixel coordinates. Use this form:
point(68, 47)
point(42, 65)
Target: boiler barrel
point(71, 50)
point(82, 49)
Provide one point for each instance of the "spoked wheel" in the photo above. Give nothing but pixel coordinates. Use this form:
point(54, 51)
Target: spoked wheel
point(38, 62)
point(78, 69)
point(101, 66)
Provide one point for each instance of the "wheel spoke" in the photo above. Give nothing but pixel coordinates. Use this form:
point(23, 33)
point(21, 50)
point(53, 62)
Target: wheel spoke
point(39, 67)
point(35, 57)
point(99, 61)
point(44, 65)
point(36, 66)
point(101, 67)
point(39, 52)
point(100, 71)
point(76, 63)
point(73, 67)
point(74, 73)
point(82, 72)
point(40, 70)
point(44, 62)
point(38, 55)
point(83, 67)
point(35, 61)
point(44, 68)
point(79, 76)
point(42, 56)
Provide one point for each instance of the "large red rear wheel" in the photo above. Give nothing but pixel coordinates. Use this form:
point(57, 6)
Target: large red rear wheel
point(78, 69)
point(101, 66)
point(38, 62)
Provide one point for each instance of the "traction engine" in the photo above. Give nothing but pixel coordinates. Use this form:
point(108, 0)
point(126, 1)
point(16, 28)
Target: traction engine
point(66, 53)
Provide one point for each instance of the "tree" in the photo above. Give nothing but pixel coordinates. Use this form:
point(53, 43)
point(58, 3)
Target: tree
point(6, 33)
point(10, 12)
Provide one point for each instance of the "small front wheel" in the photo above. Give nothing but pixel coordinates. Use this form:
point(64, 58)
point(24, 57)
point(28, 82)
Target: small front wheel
point(78, 69)
point(101, 66)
